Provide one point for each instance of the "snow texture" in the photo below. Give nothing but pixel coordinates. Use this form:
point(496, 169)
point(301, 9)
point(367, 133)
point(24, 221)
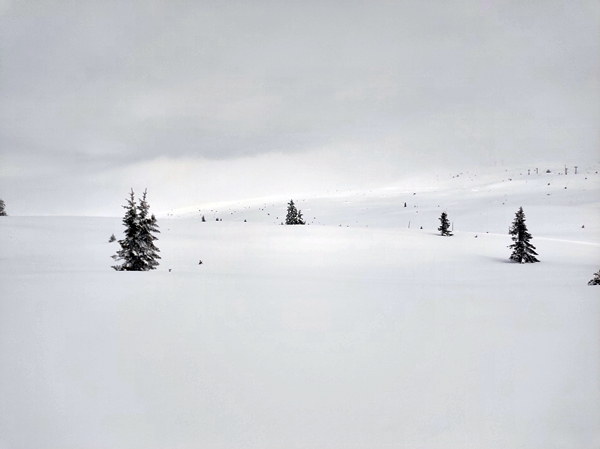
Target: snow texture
point(311, 336)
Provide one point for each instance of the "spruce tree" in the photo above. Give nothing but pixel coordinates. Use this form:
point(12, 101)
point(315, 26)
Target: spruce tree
point(292, 213)
point(203, 219)
point(138, 251)
point(596, 279)
point(300, 219)
point(130, 249)
point(2, 208)
point(148, 227)
point(293, 217)
point(523, 251)
point(445, 225)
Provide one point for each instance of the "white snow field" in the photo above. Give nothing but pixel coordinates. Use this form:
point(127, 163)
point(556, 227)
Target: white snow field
point(368, 335)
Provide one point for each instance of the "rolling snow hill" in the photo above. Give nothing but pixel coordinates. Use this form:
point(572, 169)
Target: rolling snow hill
point(356, 331)
point(482, 201)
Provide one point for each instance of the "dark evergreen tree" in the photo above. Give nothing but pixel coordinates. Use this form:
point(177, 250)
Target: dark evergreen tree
point(523, 251)
point(445, 225)
point(138, 251)
point(292, 213)
point(596, 279)
point(112, 239)
point(203, 219)
point(2, 208)
point(148, 227)
point(130, 248)
point(300, 219)
point(293, 217)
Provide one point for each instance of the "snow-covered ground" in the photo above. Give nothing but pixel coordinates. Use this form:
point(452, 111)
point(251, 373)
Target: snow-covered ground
point(356, 331)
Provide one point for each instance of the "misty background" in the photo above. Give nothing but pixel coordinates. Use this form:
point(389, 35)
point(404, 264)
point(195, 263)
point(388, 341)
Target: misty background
point(210, 101)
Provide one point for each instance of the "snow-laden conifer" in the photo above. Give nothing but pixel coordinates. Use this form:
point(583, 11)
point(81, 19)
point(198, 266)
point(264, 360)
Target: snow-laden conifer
point(2, 208)
point(523, 251)
point(147, 228)
point(444, 225)
point(300, 219)
point(292, 213)
point(138, 251)
point(294, 216)
point(130, 249)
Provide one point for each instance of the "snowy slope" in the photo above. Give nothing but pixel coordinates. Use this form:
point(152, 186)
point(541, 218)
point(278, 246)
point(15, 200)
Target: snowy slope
point(316, 336)
point(481, 201)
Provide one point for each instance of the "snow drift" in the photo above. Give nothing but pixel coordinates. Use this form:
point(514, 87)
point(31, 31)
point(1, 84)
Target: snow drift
point(372, 335)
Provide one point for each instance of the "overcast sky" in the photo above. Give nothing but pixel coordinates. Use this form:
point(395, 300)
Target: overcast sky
point(211, 100)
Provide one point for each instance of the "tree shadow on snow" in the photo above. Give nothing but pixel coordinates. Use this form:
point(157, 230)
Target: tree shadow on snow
point(499, 259)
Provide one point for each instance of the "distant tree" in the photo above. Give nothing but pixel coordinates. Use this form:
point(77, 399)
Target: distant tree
point(2, 208)
point(138, 251)
point(444, 225)
point(300, 218)
point(294, 216)
point(596, 279)
point(523, 251)
point(203, 219)
point(112, 239)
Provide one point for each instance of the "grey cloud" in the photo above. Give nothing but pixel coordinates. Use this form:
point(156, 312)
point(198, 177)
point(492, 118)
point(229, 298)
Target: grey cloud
point(118, 82)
